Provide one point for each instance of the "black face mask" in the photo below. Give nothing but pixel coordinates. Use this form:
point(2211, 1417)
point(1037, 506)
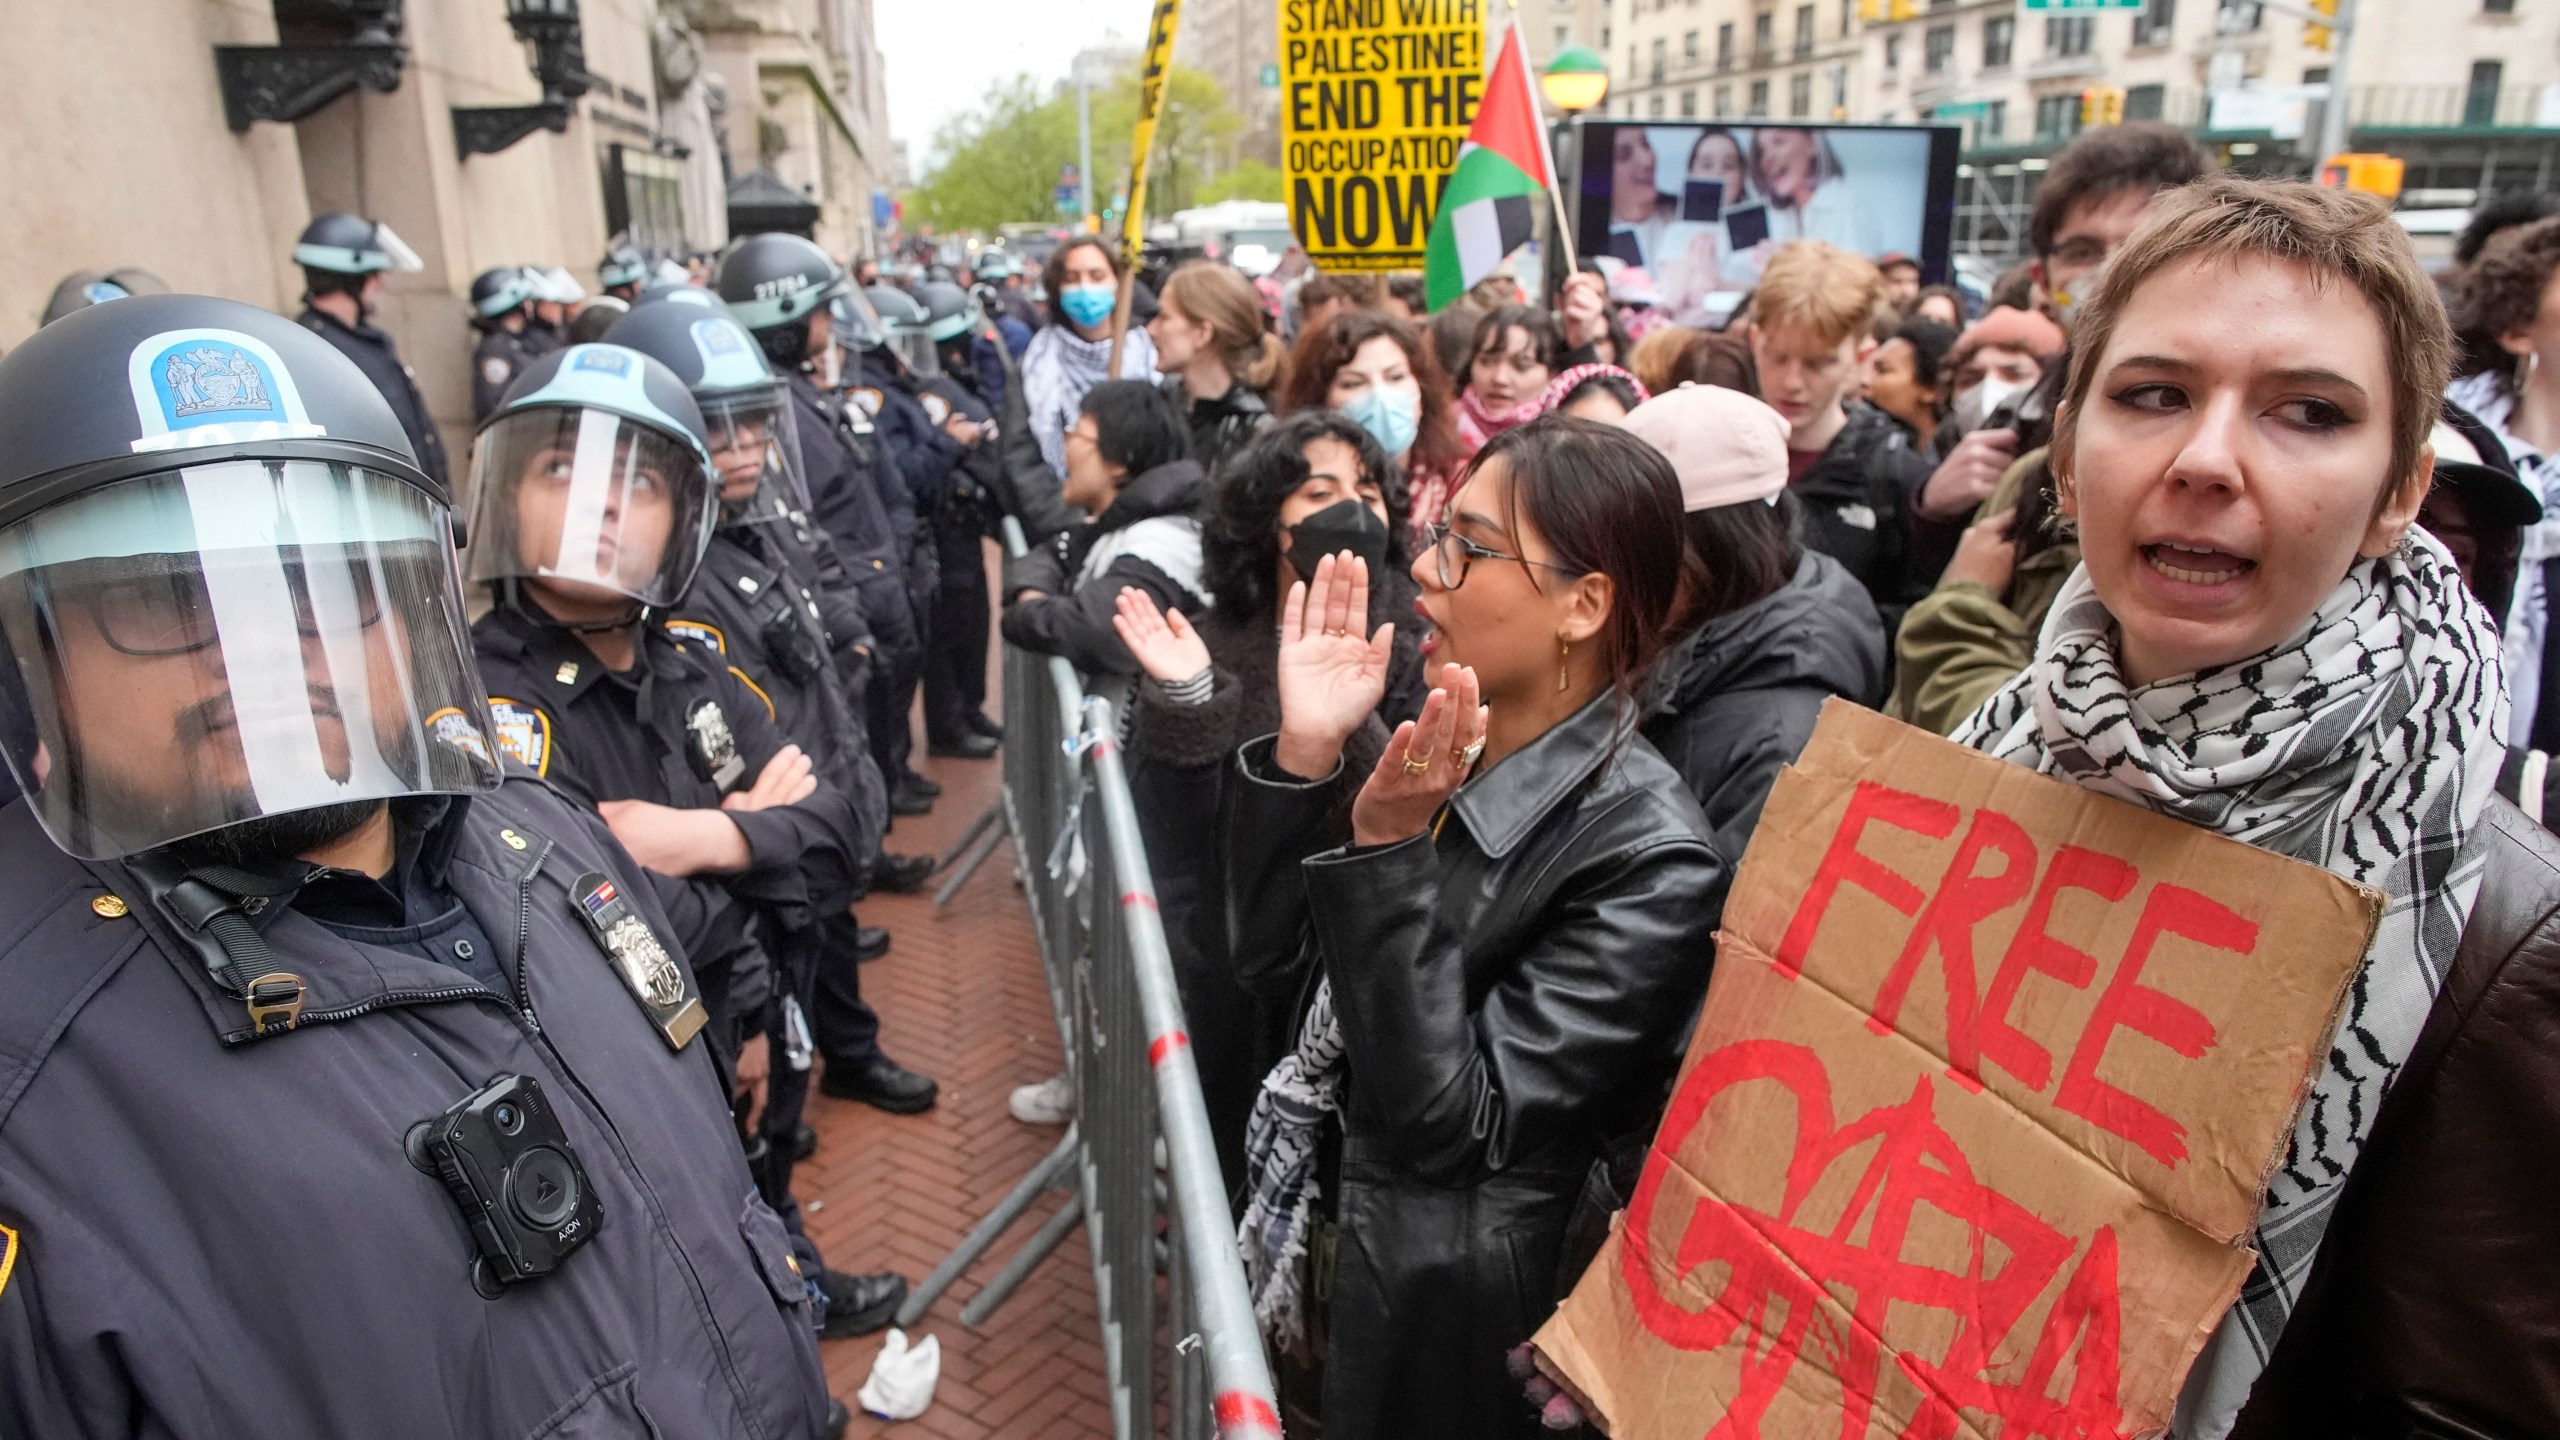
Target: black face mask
point(1345, 525)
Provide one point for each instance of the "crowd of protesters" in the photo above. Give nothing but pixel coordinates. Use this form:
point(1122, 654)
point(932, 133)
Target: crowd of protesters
point(1462, 651)
point(1463, 669)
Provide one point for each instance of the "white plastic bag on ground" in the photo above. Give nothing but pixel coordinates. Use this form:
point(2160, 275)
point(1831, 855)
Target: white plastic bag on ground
point(902, 1379)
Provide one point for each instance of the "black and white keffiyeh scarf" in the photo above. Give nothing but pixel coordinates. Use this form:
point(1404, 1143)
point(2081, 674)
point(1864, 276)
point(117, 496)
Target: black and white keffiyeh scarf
point(1060, 366)
point(1300, 1097)
point(2366, 744)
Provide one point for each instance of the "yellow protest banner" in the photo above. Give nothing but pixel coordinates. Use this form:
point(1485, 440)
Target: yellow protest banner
point(1142, 140)
point(1376, 97)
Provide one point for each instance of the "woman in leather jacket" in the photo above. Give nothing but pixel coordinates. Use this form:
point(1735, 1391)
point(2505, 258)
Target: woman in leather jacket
point(1495, 951)
point(1217, 358)
point(1312, 485)
point(2259, 640)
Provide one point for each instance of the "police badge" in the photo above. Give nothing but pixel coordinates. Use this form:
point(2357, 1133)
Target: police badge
point(715, 748)
point(651, 974)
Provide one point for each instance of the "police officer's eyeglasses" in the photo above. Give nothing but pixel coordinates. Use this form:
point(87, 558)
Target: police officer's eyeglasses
point(172, 612)
point(1454, 552)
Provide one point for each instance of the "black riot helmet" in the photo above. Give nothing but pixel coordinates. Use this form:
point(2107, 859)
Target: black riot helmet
point(86, 288)
point(338, 251)
point(746, 409)
point(773, 284)
point(952, 318)
point(591, 483)
point(907, 327)
point(595, 318)
point(227, 589)
point(623, 271)
point(496, 294)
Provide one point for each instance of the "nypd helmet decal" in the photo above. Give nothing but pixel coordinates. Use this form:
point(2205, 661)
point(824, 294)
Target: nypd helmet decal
point(213, 387)
point(729, 358)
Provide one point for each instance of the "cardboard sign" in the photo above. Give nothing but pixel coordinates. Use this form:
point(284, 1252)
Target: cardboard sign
point(1977, 1117)
point(1375, 98)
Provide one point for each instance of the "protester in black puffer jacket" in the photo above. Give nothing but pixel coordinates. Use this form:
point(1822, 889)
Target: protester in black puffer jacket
point(1127, 465)
point(1776, 629)
point(1856, 502)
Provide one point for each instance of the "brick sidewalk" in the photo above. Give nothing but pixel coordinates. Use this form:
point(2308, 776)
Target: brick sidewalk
point(961, 999)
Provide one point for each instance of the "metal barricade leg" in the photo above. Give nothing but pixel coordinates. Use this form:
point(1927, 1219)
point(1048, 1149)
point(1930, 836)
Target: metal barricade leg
point(983, 1236)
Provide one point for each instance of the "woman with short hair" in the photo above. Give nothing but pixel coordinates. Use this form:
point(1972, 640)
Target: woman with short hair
point(2259, 641)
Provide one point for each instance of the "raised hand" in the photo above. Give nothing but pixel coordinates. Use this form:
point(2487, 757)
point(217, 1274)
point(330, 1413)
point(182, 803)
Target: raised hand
point(1162, 642)
point(1331, 679)
point(1427, 759)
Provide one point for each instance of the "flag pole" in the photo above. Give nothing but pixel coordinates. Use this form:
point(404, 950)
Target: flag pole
point(1555, 180)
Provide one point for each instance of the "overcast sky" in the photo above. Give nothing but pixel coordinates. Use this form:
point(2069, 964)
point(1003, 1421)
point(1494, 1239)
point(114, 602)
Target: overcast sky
point(941, 55)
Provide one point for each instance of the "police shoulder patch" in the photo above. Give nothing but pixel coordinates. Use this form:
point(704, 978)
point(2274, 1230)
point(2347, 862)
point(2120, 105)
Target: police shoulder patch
point(867, 399)
point(523, 732)
point(936, 408)
point(496, 369)
point(699, 632)
point(743, 679)
point(453, 727)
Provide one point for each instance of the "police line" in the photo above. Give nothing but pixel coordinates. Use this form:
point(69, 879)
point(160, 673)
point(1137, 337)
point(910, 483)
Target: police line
point(1142, 1137)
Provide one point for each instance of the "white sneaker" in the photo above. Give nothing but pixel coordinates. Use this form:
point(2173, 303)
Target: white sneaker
point(1051, 1102)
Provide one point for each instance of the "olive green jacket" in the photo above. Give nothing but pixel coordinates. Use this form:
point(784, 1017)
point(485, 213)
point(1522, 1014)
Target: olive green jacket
point(1963, 640)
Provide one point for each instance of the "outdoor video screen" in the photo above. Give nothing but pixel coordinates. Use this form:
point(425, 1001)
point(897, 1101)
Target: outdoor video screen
point(1701, 207)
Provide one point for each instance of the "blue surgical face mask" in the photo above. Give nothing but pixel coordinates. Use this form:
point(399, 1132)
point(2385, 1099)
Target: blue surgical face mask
point(1393, 417)
point(1088, 305)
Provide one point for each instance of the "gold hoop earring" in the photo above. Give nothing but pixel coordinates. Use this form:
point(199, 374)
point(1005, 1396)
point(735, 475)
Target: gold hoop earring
point(1564, 665)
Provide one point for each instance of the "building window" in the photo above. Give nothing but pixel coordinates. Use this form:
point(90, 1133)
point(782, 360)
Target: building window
point(1764, 31)
point(2156, 22)
point(1800, 94)
point(2058, 116)
point(1839, 92)
point(2480, 102)
point(1689, 48)
point(1604, 37)
point(1759, 99)
point(1688, 104)
point(2145, 102)
point(1564, 36)
point(1661, 50)
point(2238, 16)
point(1724, 101)
point(1804, 30)
point(1631, 62)
point(1893, 53)
point(1938, 49)
point(1653, 106)
point(2497, 7)
point(2068, 34)
point(1724, 46)
point(1848, 17)
point(1995, 122)
point(1999, 35)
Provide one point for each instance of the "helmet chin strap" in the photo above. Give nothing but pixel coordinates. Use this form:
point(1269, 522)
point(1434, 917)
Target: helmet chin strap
point(512, 595)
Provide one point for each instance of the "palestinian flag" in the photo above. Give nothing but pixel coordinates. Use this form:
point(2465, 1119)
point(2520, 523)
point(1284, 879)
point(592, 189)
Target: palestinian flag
point(1502, 169)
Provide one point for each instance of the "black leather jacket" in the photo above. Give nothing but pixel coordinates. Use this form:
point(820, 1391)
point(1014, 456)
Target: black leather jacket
point(2433, 1309)
point(1512, 991)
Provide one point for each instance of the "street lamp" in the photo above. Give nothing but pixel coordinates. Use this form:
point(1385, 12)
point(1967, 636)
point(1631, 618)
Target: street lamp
point(552, 28)
point(1575, 80)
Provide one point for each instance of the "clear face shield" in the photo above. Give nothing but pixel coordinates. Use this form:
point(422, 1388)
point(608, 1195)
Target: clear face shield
point(589, 509)
point(755, 456)
point(915, 347)
point(223, 642)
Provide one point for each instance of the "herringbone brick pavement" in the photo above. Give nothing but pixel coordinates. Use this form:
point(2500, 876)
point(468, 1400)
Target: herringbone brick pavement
point(961, 999)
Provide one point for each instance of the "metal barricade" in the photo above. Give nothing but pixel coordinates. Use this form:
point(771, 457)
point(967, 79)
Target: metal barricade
point(1144, 1171)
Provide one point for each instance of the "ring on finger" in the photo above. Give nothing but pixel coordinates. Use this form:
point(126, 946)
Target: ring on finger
point(1412, 766)
point(1467, 755)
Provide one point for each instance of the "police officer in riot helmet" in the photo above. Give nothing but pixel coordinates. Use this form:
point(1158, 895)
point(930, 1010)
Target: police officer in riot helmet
point(623, 273)
point(794, 300)
point(595, 319)
point(80, 291)
point(881, 383)
point(594, 506)
point(771, 601)
point(357, 1085)
point(344, 260)
point(502, 310)
point(956, 397)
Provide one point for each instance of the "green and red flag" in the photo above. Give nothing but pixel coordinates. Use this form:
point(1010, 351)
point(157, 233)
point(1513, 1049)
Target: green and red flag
point(1502, 169)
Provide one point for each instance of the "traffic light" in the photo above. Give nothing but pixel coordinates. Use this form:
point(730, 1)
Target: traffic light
point(2101, 105)
point(2316, 36)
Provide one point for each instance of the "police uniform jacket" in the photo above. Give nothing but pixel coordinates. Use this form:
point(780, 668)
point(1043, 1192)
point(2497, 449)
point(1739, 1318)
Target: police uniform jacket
point(206, 1231)
point(749, 608)
point(373, 353)
point(924, 454)
point(848, 472)
point(499, 358)
point(680, 728)
point(975, 480)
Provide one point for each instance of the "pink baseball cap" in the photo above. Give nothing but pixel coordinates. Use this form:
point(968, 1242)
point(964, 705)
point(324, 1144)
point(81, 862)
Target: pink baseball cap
point(1725, 446)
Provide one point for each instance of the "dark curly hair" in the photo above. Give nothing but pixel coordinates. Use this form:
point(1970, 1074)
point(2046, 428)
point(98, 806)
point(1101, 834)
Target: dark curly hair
point(2502, 291)
point(1240, 516)
point(1322, 352)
